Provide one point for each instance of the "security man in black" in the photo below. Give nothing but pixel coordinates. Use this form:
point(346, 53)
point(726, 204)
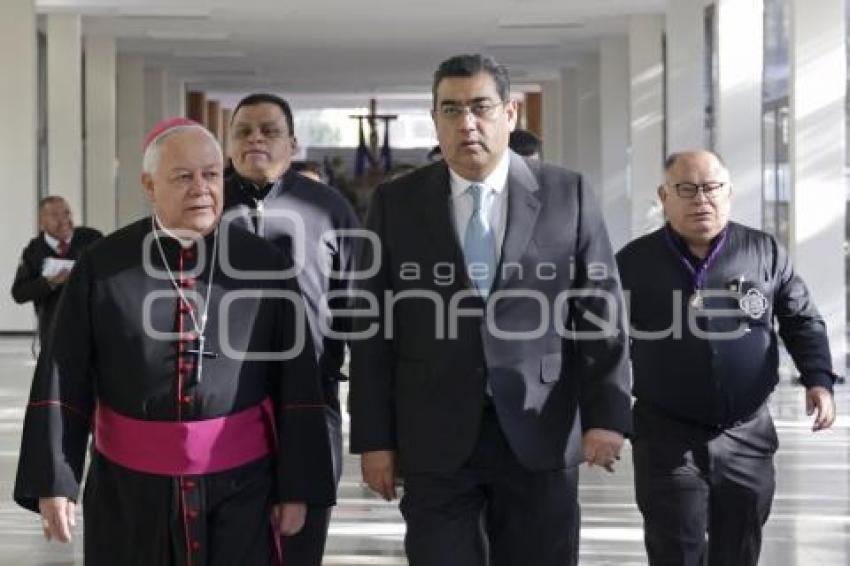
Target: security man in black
point(703, 296)
point(312, 223)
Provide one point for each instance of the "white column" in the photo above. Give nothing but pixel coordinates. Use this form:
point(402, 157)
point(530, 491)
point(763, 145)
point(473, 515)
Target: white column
point(156, 96)
point(589, 158)
point(570, 94)
point(65, 110)
point(740, 51)
point(175, 95)
point(646, 72)
point(614, 137)
point(685, 79)
point(552, 126)
point(17, 150)
point(132, 204)
point(101, 155)
point(818, 193)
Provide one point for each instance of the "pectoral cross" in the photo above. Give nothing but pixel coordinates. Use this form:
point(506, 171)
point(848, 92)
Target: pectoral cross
point(201, 353)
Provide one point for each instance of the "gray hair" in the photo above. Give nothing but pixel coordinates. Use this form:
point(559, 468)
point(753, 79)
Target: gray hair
point(153, 153)
point(674, 157)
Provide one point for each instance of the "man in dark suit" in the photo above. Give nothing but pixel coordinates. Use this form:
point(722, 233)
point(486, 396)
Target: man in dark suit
point(46, 261)
point(491, 359)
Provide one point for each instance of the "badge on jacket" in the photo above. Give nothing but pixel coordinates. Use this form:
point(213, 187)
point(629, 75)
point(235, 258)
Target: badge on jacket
point(753, 303)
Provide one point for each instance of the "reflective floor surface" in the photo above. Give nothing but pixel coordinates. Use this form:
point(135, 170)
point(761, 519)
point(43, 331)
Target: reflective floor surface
point(809, 524)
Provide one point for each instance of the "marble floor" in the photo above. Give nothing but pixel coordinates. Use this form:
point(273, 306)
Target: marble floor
point(809, 524)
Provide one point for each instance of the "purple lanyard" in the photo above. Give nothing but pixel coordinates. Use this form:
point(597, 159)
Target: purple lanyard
point(698, 275)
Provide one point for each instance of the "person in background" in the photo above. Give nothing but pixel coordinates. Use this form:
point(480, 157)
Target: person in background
point(310, 169)
point(525, 143)
point(47, 260)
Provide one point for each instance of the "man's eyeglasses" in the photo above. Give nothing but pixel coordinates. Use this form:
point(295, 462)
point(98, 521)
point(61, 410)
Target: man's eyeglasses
point(711, 189)
point(267, 130)
point(483, 109)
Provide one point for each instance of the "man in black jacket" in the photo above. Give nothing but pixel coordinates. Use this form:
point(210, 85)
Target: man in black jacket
point(704, 295)
point(312, 222)
point(47, 260)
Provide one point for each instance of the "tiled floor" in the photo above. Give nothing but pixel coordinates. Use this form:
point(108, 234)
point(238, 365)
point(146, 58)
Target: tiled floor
point(809, 526)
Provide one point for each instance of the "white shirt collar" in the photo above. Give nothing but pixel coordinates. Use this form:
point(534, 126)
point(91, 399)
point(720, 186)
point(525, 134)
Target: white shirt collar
point(497, 180)
point(184, 242)
point(54, 242)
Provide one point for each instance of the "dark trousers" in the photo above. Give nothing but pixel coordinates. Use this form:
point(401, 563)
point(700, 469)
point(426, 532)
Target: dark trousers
point(307, 547)
point(704, 493)
point(492, 511)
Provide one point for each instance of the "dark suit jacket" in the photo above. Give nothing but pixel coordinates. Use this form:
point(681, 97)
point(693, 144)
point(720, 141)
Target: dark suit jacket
point(418, 389)
point(29, 285)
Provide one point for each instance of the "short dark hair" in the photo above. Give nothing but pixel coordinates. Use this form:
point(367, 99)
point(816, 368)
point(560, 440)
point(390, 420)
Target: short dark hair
point(265, 98)
point(469, 65)
point(311, 166)
point(671, 160)
point(524, 142)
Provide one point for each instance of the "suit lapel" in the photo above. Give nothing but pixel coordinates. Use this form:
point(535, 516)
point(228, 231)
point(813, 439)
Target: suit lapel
point(523, 208)
point(440, 222)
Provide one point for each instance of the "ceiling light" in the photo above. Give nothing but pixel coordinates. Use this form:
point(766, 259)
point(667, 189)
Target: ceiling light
point(538, 23)
point(185, 35)
point(209, 54)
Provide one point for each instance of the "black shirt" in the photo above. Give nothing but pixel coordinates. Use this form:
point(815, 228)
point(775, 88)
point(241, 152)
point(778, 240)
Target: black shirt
point(710, 355)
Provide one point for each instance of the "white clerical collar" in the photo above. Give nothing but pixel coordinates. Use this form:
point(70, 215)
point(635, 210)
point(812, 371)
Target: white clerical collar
point(184, 242)
point(54, 242)
point(497, 180)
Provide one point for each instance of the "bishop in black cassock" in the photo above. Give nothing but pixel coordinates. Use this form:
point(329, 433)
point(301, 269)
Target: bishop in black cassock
point(190, 363)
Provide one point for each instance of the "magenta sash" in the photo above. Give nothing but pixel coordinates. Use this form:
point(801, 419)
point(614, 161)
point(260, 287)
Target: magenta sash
point(186, 447)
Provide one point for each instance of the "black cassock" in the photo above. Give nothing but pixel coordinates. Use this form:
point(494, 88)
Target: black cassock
point(114, 345)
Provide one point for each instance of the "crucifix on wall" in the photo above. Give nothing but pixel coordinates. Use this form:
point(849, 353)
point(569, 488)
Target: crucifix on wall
point(369, 154)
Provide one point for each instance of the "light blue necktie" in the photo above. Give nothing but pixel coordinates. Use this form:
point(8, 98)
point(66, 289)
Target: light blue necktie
point(479, 245)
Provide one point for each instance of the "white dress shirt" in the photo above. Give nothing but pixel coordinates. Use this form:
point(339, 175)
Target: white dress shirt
point(54, 243)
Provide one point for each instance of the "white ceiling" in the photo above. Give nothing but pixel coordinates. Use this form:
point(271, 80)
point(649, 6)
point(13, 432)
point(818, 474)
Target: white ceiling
point(348, 46)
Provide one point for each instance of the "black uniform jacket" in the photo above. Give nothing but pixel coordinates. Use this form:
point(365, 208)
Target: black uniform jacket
point(716, 363)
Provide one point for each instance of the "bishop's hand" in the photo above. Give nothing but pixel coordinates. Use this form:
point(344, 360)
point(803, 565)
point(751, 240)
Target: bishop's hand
point(57, 517)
